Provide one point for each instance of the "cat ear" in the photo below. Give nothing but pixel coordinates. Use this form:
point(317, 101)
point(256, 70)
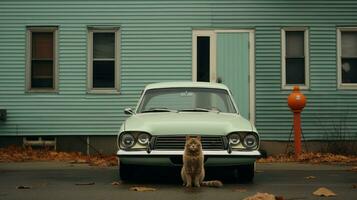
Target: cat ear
point(198, 137)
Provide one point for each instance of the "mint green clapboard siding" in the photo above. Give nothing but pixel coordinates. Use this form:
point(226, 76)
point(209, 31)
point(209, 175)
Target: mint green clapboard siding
point(233, 67)
point(156, 46)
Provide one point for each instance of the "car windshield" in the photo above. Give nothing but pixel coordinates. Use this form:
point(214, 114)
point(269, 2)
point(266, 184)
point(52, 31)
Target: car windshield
point(186, 100)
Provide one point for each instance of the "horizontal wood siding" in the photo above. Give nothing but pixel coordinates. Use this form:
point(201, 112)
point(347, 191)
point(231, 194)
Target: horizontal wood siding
point(156, 46)
point(330, 113)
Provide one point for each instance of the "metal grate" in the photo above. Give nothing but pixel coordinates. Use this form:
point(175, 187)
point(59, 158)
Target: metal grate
point(178, 142)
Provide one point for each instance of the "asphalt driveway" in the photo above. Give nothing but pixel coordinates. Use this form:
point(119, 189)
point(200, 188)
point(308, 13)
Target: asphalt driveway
point(60, 180)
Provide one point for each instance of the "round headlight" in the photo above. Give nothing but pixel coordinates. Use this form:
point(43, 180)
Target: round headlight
point(234, 139)
point(143, 138)
point(250, 141)
point(127, 140)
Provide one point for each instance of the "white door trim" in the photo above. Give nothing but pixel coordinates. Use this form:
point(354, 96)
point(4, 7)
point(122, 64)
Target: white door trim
point(213, 65)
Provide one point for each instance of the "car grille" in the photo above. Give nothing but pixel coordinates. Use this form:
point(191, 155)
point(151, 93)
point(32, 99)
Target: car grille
point(178, 142)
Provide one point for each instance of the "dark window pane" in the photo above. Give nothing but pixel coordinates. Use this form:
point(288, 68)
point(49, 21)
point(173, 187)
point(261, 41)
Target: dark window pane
point(42, 74)
point(349, 70)
point(203, 58)
point(349, 44)
point(103, 74)
point(295, 71)
point(42, 45)
point(294, 44)
point(103, 45)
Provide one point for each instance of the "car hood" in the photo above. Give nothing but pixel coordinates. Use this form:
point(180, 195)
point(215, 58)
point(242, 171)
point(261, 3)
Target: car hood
point(182, 123)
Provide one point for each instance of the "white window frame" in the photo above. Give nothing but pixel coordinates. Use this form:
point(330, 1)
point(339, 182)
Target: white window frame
point(116, 88)
point(306, 55)
point(341, 85)
point(30, 30)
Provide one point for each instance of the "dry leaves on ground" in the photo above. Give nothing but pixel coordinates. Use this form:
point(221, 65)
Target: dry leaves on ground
point(279, 198)
point(310, 177)
point(354, 186)
point(310, 157)
point(324, 192)
point(142, 189)
point(264, 196)
point(116, 183)
point(19, 154)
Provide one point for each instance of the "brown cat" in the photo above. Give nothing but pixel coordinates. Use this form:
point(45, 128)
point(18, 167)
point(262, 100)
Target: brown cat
point(193, 171)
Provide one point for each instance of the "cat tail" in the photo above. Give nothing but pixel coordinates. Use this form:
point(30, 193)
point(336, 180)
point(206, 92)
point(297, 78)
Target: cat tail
point(214, 183)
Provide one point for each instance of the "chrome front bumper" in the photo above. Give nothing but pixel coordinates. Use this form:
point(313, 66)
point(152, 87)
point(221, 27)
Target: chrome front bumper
point(174, 158)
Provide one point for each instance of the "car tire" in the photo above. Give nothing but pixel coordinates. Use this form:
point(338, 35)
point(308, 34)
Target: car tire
point(125, 172)
point(245, 173)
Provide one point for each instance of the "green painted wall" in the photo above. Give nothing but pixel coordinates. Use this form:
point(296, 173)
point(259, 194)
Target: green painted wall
point(156, 46)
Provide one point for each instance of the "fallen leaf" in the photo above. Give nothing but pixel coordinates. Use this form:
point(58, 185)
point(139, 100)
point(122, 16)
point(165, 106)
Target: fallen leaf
point(142, 189)
point(324, 192)
point(23, 187)
point(279, 198)
point(354, 186)
point(116, 183)
point(89, 183)
point(354, 169)
point(261, 196)
point(310, 177)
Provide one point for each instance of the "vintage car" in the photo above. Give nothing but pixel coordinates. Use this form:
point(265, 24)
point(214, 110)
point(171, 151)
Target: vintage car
point(155, 133)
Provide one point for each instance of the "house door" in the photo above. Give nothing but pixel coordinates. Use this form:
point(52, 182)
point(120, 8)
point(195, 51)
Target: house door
point(226, 56)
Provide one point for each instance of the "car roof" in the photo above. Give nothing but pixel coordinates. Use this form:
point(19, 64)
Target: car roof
point(186, 84)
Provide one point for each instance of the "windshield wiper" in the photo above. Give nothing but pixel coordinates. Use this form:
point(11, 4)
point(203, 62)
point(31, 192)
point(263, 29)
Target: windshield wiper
point(197, 110)
point(158, 110)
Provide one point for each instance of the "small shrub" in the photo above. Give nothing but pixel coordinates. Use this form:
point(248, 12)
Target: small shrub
point(338, 137)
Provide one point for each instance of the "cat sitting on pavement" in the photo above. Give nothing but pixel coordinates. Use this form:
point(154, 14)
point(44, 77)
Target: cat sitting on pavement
point(193, 171)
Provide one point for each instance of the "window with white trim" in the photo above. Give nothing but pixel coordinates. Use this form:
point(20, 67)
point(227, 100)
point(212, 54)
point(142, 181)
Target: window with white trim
point(103, 60)
point(347, 57)
point(295, 58)
point(41, 72)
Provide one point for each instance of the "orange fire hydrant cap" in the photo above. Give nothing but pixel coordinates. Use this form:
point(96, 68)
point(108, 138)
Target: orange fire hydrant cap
point(296, 100)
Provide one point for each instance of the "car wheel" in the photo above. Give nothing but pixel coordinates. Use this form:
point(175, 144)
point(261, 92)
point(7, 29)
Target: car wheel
point(244, 173)
point(125, 172)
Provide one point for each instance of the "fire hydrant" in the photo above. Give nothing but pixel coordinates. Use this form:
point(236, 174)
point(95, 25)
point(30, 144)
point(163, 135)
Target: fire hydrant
point(297, 102)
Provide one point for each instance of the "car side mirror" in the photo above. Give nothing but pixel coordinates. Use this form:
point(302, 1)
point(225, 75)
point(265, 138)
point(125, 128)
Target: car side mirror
point(128, 111)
